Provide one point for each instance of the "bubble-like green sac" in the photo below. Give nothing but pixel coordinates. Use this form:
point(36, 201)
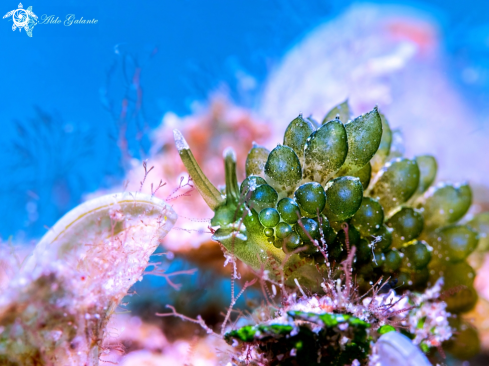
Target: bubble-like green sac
point(252, 222)
point(335, 252)
point(404, 279)
point(463, 301)
point(465, 342)
point(283, 169)
point(311, 198)
point(268, 231)
point(293, 241)
point(459, 280)
point(278, 242)
point(308, 230)
point(420, 278)
point(342, 110)
point(383, 239)
point(283, 230)
point(396, 183)
point(417, 255)
point(380, 157)
point(315, 123)
point(226, 214)
point(369, 217)
point(446, 204)
point(269, 217)
point(364, 270)
point(427, 172)
point(454, 243)
point(353, 237)
point(297, 133)
point(480, 223)
point(392, 261)
point(262, 197)
point(455, 273)
point(378, 260)
point(310, 250)
point(256, 160)
point(250, 183)
point(364, 174)
point(364, 134)
point(289, 210)
point(407, 224)
point(343, 198)
point(364, 252)
point(325, 151)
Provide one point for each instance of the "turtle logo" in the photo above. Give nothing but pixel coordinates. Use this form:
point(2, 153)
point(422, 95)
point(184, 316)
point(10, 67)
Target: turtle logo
point(22, 19)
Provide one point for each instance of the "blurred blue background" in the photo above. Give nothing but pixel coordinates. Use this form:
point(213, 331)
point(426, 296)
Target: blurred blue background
point(63, 90)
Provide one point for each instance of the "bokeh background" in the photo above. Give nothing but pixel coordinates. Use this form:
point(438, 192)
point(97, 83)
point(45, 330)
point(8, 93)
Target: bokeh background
point(81, 107)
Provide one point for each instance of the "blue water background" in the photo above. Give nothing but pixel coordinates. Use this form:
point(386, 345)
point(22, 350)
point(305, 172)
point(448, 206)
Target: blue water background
point(62, 89)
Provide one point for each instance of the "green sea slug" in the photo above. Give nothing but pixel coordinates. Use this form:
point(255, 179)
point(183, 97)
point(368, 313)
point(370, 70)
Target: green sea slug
point(327, 189)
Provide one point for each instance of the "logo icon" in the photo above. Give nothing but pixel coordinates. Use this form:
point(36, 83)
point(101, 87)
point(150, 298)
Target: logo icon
point(22, 19)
